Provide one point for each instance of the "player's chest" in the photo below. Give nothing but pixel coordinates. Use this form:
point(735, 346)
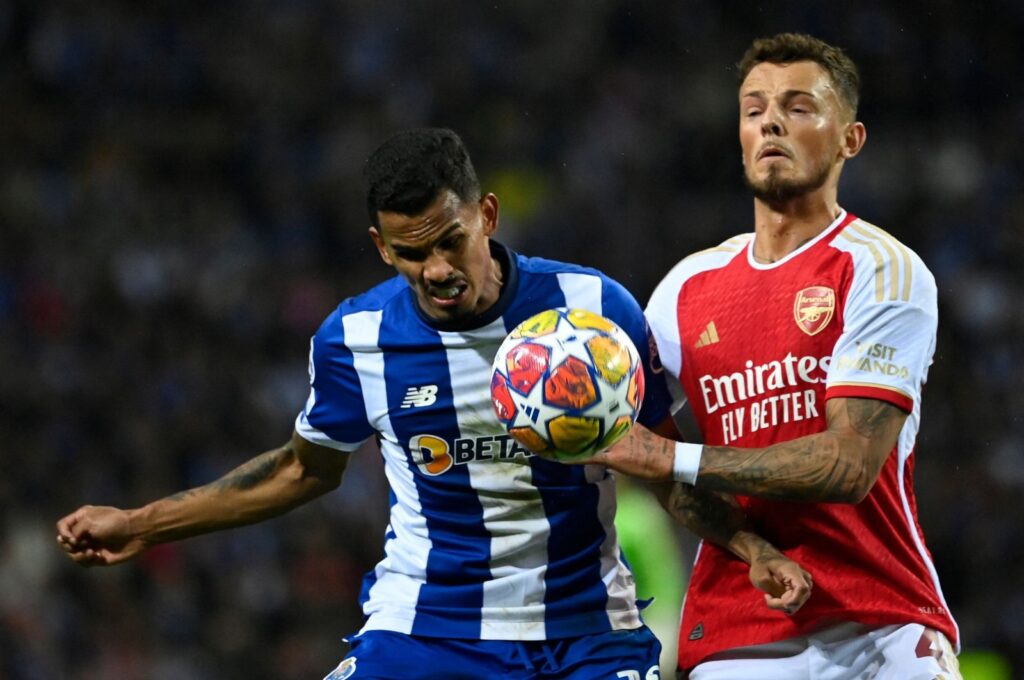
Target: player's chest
point(439, 418)
point(776, 327)
point(444, 391)
point(756, 351)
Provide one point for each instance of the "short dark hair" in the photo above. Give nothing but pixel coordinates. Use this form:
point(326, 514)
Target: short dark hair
point(786, 48)
point(408, 171)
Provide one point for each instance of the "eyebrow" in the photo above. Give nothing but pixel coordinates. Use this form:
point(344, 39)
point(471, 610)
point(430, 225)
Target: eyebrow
point(788, 94)
point(413, 249)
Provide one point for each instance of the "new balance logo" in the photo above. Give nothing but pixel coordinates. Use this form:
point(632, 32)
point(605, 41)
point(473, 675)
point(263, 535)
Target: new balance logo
point(420, 396)
point(708, 337)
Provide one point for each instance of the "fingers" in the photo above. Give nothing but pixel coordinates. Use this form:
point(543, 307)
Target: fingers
point(776, 603)
point(71, 530)
point(87, 557)
point(66, 527)
point(793, 588)
point(74, 539)
point(789, 602)
point(78, 551)
point(84, 553)
point(97, 535)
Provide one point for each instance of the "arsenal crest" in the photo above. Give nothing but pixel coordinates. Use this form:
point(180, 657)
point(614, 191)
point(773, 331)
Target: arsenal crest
point(813, 308)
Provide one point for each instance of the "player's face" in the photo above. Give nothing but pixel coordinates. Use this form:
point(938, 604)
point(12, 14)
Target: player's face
point(444, 253)
point(793, 129)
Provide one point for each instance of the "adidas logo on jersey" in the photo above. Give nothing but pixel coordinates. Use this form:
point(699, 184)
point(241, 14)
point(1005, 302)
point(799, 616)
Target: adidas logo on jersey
point(420, 396)
point(708, 337)
point(697, 633)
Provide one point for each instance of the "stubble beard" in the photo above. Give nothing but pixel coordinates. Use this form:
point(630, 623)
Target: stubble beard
point(775, 189)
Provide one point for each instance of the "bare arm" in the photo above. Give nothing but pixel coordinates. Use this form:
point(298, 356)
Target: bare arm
point(268, 485)
point(718, 518)
point(838, 465)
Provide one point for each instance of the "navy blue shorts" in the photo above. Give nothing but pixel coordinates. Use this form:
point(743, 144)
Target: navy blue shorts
point(616, 655)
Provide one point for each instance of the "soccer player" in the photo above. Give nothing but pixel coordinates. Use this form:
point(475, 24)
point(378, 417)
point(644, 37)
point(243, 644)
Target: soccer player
point(802, 348)
point(496, 563)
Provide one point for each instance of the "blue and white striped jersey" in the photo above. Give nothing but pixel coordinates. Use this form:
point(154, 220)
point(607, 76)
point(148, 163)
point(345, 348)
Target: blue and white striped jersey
point(486, 541)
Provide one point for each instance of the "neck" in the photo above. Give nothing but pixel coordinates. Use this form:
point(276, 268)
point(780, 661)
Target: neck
point(492, 286)
point(783, 227)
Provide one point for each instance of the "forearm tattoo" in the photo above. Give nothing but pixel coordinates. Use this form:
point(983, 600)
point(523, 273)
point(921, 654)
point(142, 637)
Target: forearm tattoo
point(836, 465)
point(246, 476)
point(644, 455)
point(763, 550)
point(711, 516)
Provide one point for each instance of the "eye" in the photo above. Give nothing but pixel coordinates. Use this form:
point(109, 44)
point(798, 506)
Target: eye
point(802, 106)
point(451, 242)
point(410, 255)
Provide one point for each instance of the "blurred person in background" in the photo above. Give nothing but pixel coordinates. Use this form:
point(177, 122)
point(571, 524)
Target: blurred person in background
point(654, 552)
point(497, 563)
point(802, 349)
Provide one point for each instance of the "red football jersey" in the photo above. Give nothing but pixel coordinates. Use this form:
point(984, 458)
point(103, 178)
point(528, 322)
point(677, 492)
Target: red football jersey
point(758, 349)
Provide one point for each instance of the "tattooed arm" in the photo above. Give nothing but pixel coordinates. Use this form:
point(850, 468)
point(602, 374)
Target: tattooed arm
point(268, 485)
point(839, 465)
point(718, 518)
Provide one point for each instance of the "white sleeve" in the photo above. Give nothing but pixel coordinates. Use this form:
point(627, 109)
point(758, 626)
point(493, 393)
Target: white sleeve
point(663, 308)
point(661, 317)
point(890, 318)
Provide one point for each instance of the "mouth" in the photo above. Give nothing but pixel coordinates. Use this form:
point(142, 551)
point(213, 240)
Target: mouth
point(770, 152)
point(447, 296)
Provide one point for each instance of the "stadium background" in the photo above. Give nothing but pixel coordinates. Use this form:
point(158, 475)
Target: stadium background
point(180, 206)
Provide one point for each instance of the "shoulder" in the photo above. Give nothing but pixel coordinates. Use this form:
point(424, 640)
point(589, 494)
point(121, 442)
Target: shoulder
point(542, 267)
point(702, 261)
point(584, 287)
point(366, 308)
point(884, 268)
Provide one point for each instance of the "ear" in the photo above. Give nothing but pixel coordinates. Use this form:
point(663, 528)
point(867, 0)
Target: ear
point(489, 213)
point(853, 139)
point(378, 241)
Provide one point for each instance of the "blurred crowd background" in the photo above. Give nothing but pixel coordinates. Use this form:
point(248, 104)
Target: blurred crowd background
point(180, 206)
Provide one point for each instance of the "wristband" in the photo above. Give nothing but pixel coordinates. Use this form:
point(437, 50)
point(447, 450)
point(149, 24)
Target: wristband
point(686, 463)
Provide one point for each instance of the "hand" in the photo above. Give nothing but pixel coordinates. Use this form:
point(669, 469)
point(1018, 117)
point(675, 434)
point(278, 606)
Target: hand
point(642, 453)
point(98, 536)
point(785, 583)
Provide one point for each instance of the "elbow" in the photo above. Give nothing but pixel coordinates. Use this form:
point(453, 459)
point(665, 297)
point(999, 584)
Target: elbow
point(863, 487)
point(851, 495)
point(861, 490)
point(310, 478)
point(853, 478)
point(846, 494)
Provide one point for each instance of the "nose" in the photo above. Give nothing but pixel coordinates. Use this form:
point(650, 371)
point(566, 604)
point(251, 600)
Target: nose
point(437, 269)
point(770, 123)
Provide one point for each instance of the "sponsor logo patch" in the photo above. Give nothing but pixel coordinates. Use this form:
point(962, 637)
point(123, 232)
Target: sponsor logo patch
point(435, 455)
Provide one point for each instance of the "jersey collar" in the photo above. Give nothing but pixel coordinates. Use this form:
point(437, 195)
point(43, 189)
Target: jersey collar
point(841, 221)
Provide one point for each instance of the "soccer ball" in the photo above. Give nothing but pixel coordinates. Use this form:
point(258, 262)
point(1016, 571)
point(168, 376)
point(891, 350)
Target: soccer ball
point(567, 383)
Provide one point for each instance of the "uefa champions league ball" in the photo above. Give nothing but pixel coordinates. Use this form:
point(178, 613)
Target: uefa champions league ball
point(567, 383)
